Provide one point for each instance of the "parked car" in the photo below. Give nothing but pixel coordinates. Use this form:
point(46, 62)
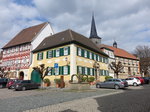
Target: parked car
point(141, 79)
point(146, 80)
point(11, 82)
point(112, 83)
point(133, 81)
point(25, 84)
point(3, 82)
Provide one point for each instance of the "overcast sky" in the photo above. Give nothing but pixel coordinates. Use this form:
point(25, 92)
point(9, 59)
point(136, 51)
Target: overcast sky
point(126, 21)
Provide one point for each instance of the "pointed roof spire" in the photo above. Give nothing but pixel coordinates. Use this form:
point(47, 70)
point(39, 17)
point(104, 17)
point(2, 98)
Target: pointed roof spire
point(93, 33)
point(115, 44)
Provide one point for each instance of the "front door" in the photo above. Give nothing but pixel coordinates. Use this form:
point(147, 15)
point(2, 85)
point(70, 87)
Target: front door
point(35, 76)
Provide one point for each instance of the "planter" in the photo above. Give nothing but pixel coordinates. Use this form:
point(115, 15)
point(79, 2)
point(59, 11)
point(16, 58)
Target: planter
point(46, 84)
point(57, 85)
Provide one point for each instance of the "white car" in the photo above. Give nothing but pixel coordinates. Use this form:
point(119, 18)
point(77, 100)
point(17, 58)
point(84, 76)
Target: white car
point(133, 81)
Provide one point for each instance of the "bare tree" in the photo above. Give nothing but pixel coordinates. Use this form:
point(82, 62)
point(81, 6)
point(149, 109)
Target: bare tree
point(143, 52)
point(116, 67)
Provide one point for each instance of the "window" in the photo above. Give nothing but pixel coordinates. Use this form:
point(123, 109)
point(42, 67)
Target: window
point(80, 70)
point(49, 54)
point(57, 52)
point(94, 56)
point(65, 70)
point(79, 51)
point(90, 55)
point(86, 71)
point(85, 53)
point(98, 59)
point(56, 71)
point(91, 71)
point(66, 50)
point(40, 56)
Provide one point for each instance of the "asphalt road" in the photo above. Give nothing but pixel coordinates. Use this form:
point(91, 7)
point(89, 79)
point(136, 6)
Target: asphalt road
point(129, 101)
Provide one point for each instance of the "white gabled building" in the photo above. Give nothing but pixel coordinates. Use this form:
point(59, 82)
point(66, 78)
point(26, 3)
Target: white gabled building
point(17, 55)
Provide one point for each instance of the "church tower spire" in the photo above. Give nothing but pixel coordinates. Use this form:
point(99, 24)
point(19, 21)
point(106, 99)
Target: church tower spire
point(115, 44)
point(93, 35)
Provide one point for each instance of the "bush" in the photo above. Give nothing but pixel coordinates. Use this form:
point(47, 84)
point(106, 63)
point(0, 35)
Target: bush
point(57, 81)
point(108, 77)
point(91, 79)
point(84, 79)
point(46, 80)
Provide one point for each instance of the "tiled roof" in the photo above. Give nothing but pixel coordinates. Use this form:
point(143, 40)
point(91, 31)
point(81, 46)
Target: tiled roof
point(67, 37)
point(25, 36)
point(120, 52)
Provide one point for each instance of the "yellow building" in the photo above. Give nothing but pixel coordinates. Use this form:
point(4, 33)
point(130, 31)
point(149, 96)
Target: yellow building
point(67, 53)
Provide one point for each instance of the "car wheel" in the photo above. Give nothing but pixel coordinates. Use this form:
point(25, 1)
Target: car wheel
point(134, 84)
point(116, 87)
point(98, 86)
point(23, 88)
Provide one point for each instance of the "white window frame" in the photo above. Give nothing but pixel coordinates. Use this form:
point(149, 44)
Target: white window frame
point(65, 70)
point(86, 71)
point(49, 54)
point(66, 51)
point(90, 55)
point(91, 71)
point(40, 56)
point(80, 70)
point(79, 51)
point(85, 53)
point(56, 71)
point(57, 52)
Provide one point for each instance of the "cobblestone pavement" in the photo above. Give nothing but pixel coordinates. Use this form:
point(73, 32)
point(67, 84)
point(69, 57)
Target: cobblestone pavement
point(53, 100)
point(31, 99)
point(8, 93)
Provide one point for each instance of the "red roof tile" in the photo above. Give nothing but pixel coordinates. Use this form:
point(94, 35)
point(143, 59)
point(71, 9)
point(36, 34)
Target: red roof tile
point(120, 52)
point(25, 36)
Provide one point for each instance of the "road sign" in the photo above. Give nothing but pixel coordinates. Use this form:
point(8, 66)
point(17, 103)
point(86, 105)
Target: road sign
point(55, 65)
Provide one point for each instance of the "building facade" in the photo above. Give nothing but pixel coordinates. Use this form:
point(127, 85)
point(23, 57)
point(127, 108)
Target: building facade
point(17, 55)
point(73, 53)
point(129, 61)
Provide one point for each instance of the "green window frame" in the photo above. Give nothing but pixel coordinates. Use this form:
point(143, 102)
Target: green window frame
point(54, 53)
point(61, 53)
point(82, 52)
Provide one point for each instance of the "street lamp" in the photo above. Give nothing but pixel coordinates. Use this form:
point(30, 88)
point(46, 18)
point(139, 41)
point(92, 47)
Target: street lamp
point(96, 66)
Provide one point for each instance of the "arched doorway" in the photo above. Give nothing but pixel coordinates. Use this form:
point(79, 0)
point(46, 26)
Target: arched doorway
point(35, 76)
point(21, 75)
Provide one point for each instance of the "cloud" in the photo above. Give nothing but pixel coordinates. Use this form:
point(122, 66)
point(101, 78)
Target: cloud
point(14, 18)
point(126, 21)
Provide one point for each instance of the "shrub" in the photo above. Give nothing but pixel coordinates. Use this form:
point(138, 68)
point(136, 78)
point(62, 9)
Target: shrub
point(46, 80)
point(108, 77)
point(57, 81)
point(91, 79)
point(84, 79)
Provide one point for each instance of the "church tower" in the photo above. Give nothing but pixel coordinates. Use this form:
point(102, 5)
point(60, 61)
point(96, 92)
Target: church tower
point(93, 35)
point(115, 44)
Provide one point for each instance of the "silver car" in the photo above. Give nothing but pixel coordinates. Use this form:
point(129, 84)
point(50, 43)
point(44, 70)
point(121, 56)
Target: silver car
point(112, 83)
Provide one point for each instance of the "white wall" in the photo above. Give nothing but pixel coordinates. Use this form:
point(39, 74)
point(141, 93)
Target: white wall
point(46, 31)
point(73, 65)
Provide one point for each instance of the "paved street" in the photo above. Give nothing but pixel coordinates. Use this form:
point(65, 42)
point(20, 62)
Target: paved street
point(130, 101)
point(18, 101)
point(133, 99)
